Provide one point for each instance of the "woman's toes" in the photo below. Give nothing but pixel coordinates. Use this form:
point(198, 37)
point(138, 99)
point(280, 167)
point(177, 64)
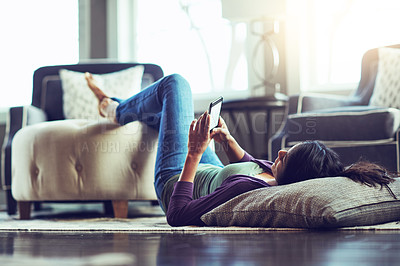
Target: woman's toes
point(95, 89)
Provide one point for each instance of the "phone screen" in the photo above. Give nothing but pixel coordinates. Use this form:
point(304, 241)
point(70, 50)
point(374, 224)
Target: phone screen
point(215, 111)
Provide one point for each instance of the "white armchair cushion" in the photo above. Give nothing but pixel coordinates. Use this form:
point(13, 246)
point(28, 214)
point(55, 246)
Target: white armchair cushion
point(81, 160)
point(387, 85)
point(80, 103)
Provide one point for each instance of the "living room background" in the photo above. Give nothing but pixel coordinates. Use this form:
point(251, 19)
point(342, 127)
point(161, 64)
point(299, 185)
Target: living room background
point(316, 39)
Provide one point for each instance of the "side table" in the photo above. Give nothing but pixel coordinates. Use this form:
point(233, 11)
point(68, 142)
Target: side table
point(247, 106)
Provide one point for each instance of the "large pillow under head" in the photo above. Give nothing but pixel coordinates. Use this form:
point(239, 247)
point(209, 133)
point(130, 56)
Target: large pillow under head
point(318, 203)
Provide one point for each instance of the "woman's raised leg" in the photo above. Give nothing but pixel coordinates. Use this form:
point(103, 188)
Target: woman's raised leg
point(166, 106)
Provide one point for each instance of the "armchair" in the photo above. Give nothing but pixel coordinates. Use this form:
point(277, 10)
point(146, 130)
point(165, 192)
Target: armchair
point(30, 124)
point(352, 126)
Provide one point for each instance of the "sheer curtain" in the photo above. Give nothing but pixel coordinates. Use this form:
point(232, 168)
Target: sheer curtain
point(191, 38)
point(336, 34)
point(34, 34)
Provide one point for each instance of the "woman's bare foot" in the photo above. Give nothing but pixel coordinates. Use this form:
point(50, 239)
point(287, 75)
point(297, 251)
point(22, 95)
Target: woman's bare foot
point(107, 106)
point(95, 89)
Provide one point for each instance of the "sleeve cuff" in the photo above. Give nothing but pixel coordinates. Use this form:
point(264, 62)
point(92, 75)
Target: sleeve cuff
point(246, 158)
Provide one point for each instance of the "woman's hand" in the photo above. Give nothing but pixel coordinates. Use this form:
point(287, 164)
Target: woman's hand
point(199, 135)
point(199, 138)
point(221, 134)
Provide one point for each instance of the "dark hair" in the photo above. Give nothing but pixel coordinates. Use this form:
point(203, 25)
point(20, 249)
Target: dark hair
point(312, 159)
point(369, 174)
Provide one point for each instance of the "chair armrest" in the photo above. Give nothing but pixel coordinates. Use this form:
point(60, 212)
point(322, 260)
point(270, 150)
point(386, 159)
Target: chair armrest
point(18, 117)
point(311, 102)
point(355, 123)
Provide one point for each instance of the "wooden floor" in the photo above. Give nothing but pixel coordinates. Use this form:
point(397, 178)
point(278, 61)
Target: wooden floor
point(274, 248)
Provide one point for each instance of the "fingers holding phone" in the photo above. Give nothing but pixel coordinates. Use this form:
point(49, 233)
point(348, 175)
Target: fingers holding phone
point(199, 134)
point(221, 133)
point(218, 129)
point(215, 112)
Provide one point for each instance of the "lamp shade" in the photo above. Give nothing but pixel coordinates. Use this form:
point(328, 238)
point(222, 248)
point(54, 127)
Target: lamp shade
point(244, 10)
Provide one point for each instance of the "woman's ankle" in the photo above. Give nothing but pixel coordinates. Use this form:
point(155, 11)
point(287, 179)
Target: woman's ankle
point(108, 109)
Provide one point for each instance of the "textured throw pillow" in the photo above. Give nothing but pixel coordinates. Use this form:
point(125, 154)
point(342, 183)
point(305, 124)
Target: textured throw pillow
point(80, 103)
point(387, 85)
point(318, 203)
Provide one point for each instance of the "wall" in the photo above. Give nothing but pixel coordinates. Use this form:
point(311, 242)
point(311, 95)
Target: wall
point(92, 29)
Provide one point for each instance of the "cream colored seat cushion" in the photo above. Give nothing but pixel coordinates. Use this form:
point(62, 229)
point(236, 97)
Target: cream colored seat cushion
point(84, 160)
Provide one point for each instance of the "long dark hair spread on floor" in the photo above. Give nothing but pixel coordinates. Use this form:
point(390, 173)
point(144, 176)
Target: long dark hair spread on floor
point(312, 159)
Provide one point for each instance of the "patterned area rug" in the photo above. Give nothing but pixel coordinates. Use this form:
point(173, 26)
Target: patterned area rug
point(142, 218)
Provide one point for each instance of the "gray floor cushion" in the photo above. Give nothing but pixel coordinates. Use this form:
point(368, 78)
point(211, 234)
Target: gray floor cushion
point(319, 203)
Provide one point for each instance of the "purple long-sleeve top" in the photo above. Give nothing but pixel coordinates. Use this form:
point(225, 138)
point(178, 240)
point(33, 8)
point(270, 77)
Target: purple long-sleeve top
point(183, 210)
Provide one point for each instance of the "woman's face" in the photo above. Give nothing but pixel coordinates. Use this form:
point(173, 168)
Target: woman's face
point(279, 165)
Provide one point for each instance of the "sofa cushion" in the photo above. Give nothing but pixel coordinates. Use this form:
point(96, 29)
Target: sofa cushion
point(318, 203)
point(354, 123)
point(387, 85)
point(80, 103)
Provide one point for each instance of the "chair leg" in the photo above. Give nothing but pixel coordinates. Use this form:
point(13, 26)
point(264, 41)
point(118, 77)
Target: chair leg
point(108, 208)
point(24, 208)
point(120, 208)
point(11, 203)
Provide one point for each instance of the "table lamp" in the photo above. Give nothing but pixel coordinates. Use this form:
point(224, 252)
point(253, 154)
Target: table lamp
point(253, 12)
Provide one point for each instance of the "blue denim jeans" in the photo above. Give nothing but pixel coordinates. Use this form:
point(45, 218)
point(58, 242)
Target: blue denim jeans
point(167, 107)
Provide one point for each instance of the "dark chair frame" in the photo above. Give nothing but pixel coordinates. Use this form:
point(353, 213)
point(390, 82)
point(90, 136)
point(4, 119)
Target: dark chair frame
point(46, 105)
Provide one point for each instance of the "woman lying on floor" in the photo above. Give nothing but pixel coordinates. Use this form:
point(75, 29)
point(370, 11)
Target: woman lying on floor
point(190, 180)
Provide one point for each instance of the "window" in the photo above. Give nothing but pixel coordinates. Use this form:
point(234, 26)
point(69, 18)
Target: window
point(191, 38)
point(337, 33)
point(34, 34)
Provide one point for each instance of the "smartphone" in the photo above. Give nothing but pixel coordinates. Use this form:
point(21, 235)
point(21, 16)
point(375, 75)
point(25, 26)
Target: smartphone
point(215, 111)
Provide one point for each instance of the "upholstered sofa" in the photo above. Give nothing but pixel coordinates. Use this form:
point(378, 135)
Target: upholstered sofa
point(49, 157)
